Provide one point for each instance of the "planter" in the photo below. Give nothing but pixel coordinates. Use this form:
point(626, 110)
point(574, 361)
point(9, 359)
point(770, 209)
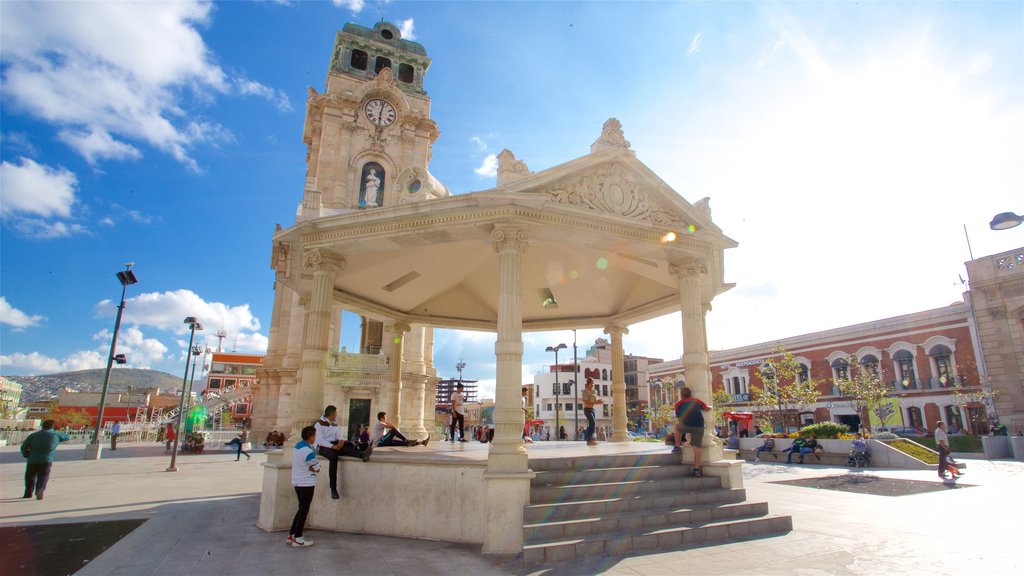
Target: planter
point(1017, 447)
point(996, 446)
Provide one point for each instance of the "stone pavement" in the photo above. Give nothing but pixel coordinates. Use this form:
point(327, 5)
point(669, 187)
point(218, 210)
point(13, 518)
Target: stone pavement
point(201, 520)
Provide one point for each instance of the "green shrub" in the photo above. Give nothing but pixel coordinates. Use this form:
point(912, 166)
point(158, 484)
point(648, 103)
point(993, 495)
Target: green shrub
point(825, 430)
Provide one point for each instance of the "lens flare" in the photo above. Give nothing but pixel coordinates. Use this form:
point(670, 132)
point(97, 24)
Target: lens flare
point(574, 275)
point(602, 263)
point(691, 229)
point(668, 237)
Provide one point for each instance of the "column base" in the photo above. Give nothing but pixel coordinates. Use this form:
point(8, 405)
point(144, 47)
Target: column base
point(277, 501)
point(506, 496)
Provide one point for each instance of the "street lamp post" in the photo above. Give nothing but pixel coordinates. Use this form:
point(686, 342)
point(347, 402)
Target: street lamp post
point(575, 381)
point(558, 390)
point(1005, 221)
point(126, 277)
point(193, 325)
point(196, 351)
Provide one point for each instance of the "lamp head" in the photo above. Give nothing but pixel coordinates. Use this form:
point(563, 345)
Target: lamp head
point(1005, 221)
point(127, 277)
point(121, 359)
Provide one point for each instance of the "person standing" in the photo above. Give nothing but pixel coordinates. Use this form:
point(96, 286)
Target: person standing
point(114, 431)
point(942, 446)
point(331, 445)
point(305, 467)
point(38, 449)
point(590, 400)
point(526, 415)
point(169, 436)
point(458, 413)
point(691, 423)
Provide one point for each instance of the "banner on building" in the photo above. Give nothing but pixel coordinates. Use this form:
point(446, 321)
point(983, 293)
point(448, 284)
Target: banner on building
point(889, 411)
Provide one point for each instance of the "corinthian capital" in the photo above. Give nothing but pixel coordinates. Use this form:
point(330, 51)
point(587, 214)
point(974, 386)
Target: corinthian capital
point(320, 260)
point(509, 238)
point(398, 328)
point(691, 267)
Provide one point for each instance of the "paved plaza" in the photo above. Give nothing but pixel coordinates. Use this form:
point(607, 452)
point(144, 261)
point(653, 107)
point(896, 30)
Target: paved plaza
point(202, 521)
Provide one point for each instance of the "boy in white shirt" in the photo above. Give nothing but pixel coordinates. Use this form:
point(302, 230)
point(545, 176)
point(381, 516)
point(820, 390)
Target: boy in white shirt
point(386, 434)
point(304, 470)
point(331, 445)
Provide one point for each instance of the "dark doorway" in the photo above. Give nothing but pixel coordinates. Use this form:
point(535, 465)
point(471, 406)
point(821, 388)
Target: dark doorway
point(851, 421)
point(358, 415)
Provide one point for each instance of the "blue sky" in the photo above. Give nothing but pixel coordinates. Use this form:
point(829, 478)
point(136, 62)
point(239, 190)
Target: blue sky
point(843, 145)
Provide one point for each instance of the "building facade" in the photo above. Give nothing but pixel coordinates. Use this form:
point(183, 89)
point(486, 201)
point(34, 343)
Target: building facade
point(232, 371)
point(919, 357)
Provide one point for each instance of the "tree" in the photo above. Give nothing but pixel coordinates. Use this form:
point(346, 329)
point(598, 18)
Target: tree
point(65, 416)
point(720, 400)
point(965, 397)
point(864, 391)
point(781, 389)
point(664, 415)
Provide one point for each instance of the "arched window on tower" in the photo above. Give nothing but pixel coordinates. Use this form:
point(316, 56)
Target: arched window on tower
point(381, 64)
point(359, 59)
point(406, 73)
point(371, 185)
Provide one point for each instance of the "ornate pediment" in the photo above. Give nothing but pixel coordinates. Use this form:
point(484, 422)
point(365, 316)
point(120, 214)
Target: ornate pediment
point(609, 189)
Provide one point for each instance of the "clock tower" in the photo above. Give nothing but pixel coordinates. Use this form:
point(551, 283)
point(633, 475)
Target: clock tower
point(368, 136)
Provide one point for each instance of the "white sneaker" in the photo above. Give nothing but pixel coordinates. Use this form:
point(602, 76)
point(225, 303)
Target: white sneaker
point(300, 542)
point(757, 459)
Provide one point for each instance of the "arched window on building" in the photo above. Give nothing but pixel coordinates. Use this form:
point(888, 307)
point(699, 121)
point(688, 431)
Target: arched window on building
point(359, 60)
point(914, 417)
point(869, 363)
point(904, 362)
point(942, 365)
point(840, 369)
point(953, 417)
point(804, 374)
point(604, 374)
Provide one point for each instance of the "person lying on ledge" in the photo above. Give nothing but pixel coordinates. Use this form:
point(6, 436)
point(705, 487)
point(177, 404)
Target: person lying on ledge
point(386, 434)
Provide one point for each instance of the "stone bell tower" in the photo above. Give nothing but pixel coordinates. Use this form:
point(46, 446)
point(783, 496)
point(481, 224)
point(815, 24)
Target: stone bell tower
point(369, 135)
point(368, 139)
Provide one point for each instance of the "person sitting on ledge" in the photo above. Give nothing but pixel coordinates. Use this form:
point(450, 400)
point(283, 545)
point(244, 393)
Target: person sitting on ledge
point(331, 445)
point(810, 446)
point(768, 446)
point(733, 441)
point(386, 434)
point(794, 448)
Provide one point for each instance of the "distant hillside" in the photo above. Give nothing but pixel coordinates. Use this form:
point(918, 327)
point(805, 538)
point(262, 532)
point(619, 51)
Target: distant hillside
point(49, 385)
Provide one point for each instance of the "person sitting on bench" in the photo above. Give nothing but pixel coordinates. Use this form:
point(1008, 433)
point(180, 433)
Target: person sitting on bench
point(768, 446)
point(386, 434)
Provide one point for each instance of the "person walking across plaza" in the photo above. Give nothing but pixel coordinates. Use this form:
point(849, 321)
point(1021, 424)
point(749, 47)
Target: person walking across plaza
point(590, 400)
point(942, 447)
point(38, 449)
point(239, 442)
point(331, 445)
point(691, 423)
point(387, 434)
point(458, 414)
point(114, 431)
point(305, 467)
point(169, 436)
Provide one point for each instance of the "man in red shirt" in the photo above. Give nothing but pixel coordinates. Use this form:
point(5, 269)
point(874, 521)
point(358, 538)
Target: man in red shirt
point(691, 422)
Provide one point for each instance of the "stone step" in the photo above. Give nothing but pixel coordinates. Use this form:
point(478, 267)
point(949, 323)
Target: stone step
point(625, 488)
point(689, 535)
point(602, 475)
point(655, 502)
point(604, 461)
point(641, 519)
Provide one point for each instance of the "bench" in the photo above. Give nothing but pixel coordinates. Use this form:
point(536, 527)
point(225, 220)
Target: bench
point(828, 458)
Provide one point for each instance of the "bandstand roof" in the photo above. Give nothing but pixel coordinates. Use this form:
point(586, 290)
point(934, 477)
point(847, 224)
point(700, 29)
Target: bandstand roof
point(597, 241)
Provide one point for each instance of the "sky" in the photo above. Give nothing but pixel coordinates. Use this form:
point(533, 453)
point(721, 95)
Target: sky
point(845, 146)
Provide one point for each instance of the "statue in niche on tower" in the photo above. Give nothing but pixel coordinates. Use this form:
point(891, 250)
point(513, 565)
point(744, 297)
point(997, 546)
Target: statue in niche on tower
point(372, 185)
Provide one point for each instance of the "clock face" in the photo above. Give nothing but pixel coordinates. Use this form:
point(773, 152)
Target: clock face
point(380, 112)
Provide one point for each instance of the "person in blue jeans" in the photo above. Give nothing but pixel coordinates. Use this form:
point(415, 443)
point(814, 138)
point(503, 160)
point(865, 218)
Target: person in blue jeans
point(809, 446)
point(590, 400)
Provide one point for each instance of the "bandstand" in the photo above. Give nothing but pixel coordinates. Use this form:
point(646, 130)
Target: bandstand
point(596, 242)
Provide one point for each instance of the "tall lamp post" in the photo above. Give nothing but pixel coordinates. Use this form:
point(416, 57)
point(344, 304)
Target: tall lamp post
point(196, 351)
point(126, 277)
point(193, 325)
point(575, 381)
point(1001, 221)
point(558, 390)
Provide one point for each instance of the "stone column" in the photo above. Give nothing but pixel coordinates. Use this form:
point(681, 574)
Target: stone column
point(507, 476)
point(392, 398)
point(316, 337)
point(695, 353)
point(619, 420)
point(413, 408)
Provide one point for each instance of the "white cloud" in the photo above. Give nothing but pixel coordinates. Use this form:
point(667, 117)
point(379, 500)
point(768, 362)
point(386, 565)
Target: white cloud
point(106, 73)
point(694, 45)
point(13, 317)
point(36, 363)
point(32, 188)
point(354, 5)
point(277, 97)
point(141, 352)
point(479, 142)
point(107, 221)
point(405, 27)
point(20, 142)
point(489, 167)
